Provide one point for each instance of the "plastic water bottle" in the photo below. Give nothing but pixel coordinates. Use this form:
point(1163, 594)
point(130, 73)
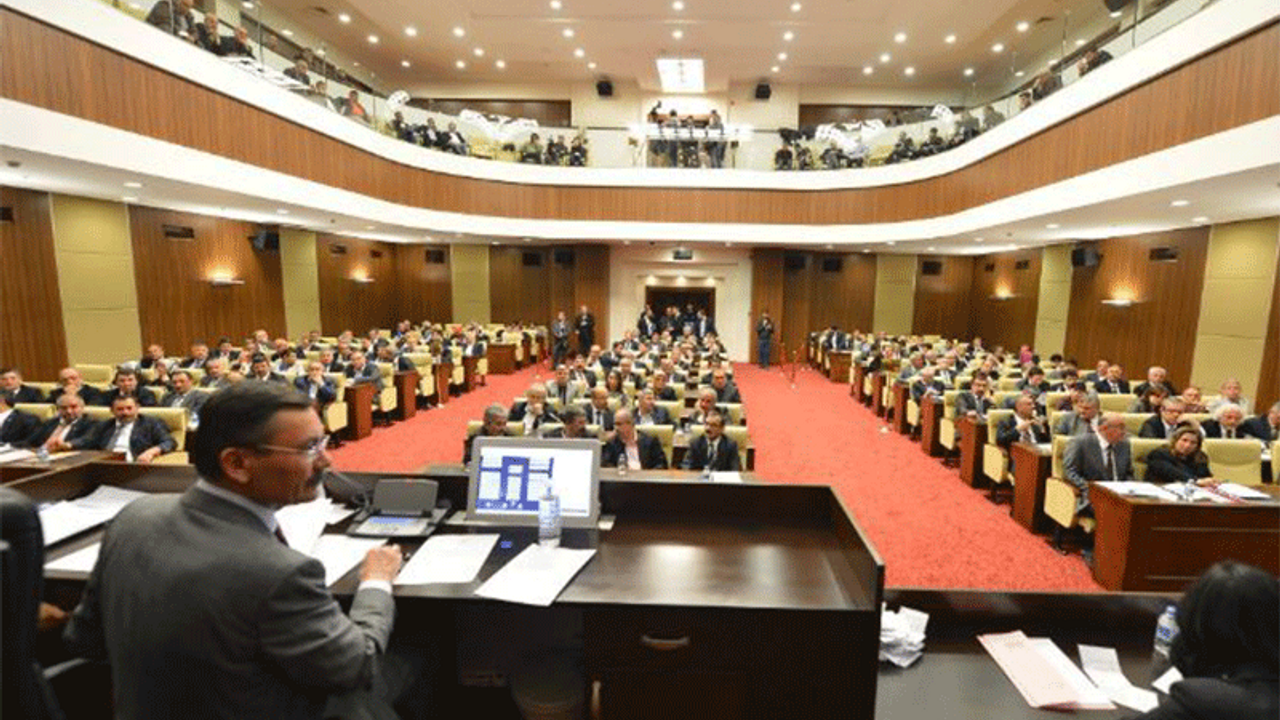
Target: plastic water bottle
point(622, 463)
point(1166, 631)
point(549, 518)
point(42, 453)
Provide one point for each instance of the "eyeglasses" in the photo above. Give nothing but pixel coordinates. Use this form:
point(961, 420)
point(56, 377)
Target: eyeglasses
point(312, 450)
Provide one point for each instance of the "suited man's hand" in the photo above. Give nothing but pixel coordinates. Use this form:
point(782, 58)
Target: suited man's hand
point(50, 617)
point(148, 456)
point(382, 563)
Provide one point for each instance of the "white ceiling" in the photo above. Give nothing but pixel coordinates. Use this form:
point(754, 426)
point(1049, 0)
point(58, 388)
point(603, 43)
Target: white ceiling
point(833, 39)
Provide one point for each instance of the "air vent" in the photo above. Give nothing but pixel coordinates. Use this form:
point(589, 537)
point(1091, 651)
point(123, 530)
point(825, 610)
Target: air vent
point(531, 259)
point(793, 261)
point(989, 267)
point(336, 249)
point(564, 257)
point(832, 265)
point(179, 232)
point(1164, 254)
point(682, 254)
point(931, 267)
point(1022, 265)
point(435, 257)
point(375, 254)
point(6, 214)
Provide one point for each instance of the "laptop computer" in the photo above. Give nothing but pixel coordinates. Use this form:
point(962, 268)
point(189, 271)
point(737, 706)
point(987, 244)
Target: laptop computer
point(509, 474)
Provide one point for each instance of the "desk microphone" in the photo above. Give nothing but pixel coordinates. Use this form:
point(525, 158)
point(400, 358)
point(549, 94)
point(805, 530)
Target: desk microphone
point(361, 494)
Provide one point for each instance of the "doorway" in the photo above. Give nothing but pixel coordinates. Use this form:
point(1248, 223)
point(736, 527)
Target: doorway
point(660, 298)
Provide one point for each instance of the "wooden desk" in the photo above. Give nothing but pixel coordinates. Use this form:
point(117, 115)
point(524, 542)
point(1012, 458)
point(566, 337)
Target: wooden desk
point(407, 393)
point(502, 358)
point(527, 345)
point(469, 379)
point(973, 436)
point(877, 394)
point(359, 399)
point(859, 379)
point(839, 362)
point(901, 392)
point(930, 423)
point(1031, 467)
point(770, 590)
point(15, 471)
point(444, 373)
point(1152, 545)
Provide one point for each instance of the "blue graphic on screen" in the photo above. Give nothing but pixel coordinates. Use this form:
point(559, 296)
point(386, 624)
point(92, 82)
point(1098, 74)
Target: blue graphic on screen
point(512, 483)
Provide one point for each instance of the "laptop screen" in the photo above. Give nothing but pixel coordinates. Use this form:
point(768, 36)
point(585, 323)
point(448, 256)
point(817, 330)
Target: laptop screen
point(509, 475)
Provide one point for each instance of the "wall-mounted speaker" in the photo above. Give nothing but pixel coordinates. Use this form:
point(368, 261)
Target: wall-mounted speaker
point(1085, 256)
point(1116, 5)
point(266, 240)
point(435, 257)
point(563, 257)
point(6, 214)
point(931, 267)
point(179, 232)
point(832, 265)
point(763, 91)
point(793, 261)
point(604, 88)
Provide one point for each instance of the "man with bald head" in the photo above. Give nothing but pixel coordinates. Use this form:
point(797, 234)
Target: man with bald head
point(533, 411)
point(632, 449)
point(598, 412)
point(70, 424)
point(1103, 456)
point(69, 381)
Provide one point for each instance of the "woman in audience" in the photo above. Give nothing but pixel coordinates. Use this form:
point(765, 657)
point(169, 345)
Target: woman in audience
point(613, 384)
point(1150, 400)
point(1181, 459)
point(1228, 648)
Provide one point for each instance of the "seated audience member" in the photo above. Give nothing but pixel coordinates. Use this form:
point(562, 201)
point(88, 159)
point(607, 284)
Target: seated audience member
point(1264, 427)
point(215, 374)
point(1163, 423)
point(1023, 426)
point(70, 381)
point(1114, 383)
point(1103, 456)
point(1099, 373)
point(1228, 424)
point(1227, 648)
point(430, 136)
point(260, 370)
point(316, 385)
point(533, 410)
point(1083, 419)
point(613, 386)
point(1231, 393)
point(926, 386)
point(185, 396)
point(575, 425)
point(207, 35)
point(140, 437)
point(198, 359)
point(1192, 402)
point(564, 389)
point(174, 17)
point(353, 108)
point(705, 405)
point(1035, 382)
point(1150, 400)
point(11, 387)
point(598, 412)
point(713, 450)
point(126, 385)
point(578, 152)
point(648, 412)
point(991, 118)
point(58, 433)
point(557, 151)
point(455, 142)
point(782, 159)
point(1092, 60)
point(402, 129)
point(912, 368)
point(399, 363)
point(726, 392)
point(236, 45)
point(362, 371)
point(330, 362)
point(976, 401)
point(495, 425)
point(226, 351)
point(531, 151)
point(288, 364)
point(15, 426)
point(197, 602)
point(1156, 375)
point(631, 449)
point(320, 95)
point(299, 72)
point(1046, 84)
point(152, 358)
point(661, 390)
point(1181, 460)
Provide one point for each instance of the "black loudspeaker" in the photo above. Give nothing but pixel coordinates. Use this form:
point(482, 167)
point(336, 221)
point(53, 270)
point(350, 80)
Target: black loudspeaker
point(604, 88)
point(1085, 256)
point(266, 240)
point(1116, 5)
point(763, 91)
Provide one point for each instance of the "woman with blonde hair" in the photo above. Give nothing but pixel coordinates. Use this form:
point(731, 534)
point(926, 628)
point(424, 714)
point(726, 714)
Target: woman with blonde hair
point(1181, 460)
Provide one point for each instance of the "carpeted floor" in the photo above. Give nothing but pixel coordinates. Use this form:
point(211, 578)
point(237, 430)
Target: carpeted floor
point(931, 530)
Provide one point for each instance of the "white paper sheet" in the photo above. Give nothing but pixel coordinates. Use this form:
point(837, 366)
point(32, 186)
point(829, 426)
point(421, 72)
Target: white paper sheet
point(81, 560)
point(726, 476)
point(61, 520)
point(1102, 665)
point(338, 513)
point(303, 524)
point(1166, 681)
point(12, 456)
point(535, 576)
point(1091, 697)
point(340, 553)
point(1244, 492)
point(1139, 489)
point(1030, 672)
point(447, 559)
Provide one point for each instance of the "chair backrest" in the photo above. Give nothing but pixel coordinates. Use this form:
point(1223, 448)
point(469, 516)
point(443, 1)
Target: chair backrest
point(999, 397)
point(739, 435)
point(1052, 399)
point(21, 587)
point(473, 427)
point(94, 374)
point(949, 403)
point(1237, 461)
point(44, 411)
point(515, 428)
point(1059, 447)
point(339, 384)
point(44, 387)
point(173, 418)
point(1133, 422)
point(666, 434)
point(673, 407)
point(98, 412)
point(994, 417)
point(1116, 402)
point(735, 412)
point(1008, 383)
point(1139, 449)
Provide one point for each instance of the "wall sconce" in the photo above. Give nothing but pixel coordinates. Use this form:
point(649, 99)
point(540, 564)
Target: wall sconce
point(362, 277)
point(1118, 302)
point(223, 279)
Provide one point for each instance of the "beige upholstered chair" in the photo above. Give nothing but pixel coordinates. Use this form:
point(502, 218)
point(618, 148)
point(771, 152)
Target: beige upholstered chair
point(385, 400)
point(1060, 497)
point(995, 459)
point(947, 436)
point(1139, 449)
point(1133, 422)
point(734, 411)
point(96, 374)
point(43, 411)
point(334, 414)
point(46, 388)
point(673, 407)
point(664, 433)
point(176, 420)
point(425, 365)
point(1237, 461)
point(1007, 384)
point(1116, 402)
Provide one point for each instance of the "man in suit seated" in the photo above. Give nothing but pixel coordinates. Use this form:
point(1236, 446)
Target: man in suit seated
point(977, 400)
point(1083, 419)
point(713, 450)
point(533, 410)
point(648, 412)
point(661, 390)
point(726, 392)
point(362, 371)
point(575, 425)
point(1231, 392)
point(198, 359)
point(1156, 375)
point(127, 385)
point(185, 396)
point(152, 358)
point(1228, 424)
point(11, 386)
point(260, 371)
point(703, 408)
point(579, 373)
point(196, 600)
point(628, 374)
point(1264, 427)
point(140, 437)
point(631, 449)
point(288, 364)
point(1103, 456)
point(925, 386)
point(1114, 383)
point(1099, 372)
point(494, 425)
point(912, 368)
point(15, 425)
point(57, 433)
point(330, 361)
point(215, 374)
point(1035, 381)
point(1023, 426)
point(598, 412)
point(70, 381)
point(1162, 424)
point(316, 385)
point(563, 388)
point(399, 363)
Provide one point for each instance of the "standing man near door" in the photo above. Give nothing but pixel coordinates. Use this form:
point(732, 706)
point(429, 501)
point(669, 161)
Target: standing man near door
point(559, 340)
point(764, 339)
point(586, 325)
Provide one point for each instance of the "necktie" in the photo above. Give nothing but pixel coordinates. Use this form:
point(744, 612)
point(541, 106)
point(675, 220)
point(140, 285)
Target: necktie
point(1231, 433)
point(60, 433)
point(1111, 462)
point(115, 437)
point(280, 536)
point(711, 452)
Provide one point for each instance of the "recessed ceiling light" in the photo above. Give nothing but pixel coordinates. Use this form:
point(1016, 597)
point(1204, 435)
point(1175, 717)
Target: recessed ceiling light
point(884, 57)
point(579, 52)
point(1080, 42)
point(678, 5)
point(133, 184)
point(1180, 203)
point(555, 4)
point(933, 249)
point(900, 37)
point(356, 63)
point(591, 65)
point(282, 211)
point(404, 63)
point(1200, 219)
point(461, 64)
point(459, 32)
point(287, 32)
point(997, 48)
point(950, 39)
point(677, 34)
point(567, 32)
point(795, 7)
point(344, 18)
point(246, 5)
point(891, 242)
point(495, 242)
point(129, 199)
point(478, 52)
point(1019, 74)
point(1116, 13)
point(909, 71)
point(788, 36)
point(500, 64)
point(411, 31)
point(968, 72)
point(979, 239)
point(1023, 26)
point(782, 56)
point(865, 250)
point(373, 39)
point(1052, 226)
point(320, 52)
point(370, 227)
point(830, 246)
point(774, 69)
point(867, 69)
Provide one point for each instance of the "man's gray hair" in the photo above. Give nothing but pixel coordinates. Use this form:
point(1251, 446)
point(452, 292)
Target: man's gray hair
point(494, 412)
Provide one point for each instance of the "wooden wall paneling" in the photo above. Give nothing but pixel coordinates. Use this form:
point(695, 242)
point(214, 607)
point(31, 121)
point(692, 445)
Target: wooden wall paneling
point(1231, 80)
point(942, 301)
point(591, 287)
point(560, 285)
point(1269, 381)
point(1160, 327)
point(519, 292)
point(177, 305)
point(859, 288)
point(346, 304)
point(1005, 299)
point(767, 295)
point(797, 289)
point(32, 335)
point(425, 291)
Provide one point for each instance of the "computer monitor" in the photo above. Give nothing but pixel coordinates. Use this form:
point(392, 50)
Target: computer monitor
point(509, 475)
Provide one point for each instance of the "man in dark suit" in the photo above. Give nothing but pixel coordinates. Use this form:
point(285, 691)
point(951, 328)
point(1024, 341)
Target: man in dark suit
point(1156, 375)
point(127, 385)
point(704, 324)
point(198, 359)
point(260, 371)
point(1264, 427)
point(1023, 426)
point(559, 338)
point(236, 45)
point(140, 437)
point(976, 401)
point(196, 600)
point(1083, 418)
point(580, 373)
point(69, 381)
point(1103, 456)
point(330, 362)
point(598, 412)
point(586, 326)
point(57, 433)
point(494, 425)
point(575, 425)
point(726, 392)
point(1227, 424)
point(15, 425)
point(1035, 382)
point(648, 412)
point(661, 390)
point(11, 386)
point(362, 371)
point(185, 396)
point(215, 374)
point(1099, 373)
point(631, 449)
point(925, 385)
point(316, 385)
point(533, 410)
point(1114, 383)
point(1162, 424)
point(764, 339)
point(713, 450)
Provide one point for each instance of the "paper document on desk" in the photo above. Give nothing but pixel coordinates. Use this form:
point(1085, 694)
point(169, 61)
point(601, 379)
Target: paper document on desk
point(340, 553)
point(726, 476)
point(1139, 489)
point(1039, 676)
point(1166, 681)
point(303, 524)
point(447, 559)
point(535, 576)
point(1198, 494)
point(61, 520)
point(9, 455)
point(1243, 492)
point(81, 560)
point(1102, 665)
point(902, 635)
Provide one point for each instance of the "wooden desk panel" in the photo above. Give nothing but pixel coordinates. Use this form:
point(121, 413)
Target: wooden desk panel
point(973, 436)
point(13, 472)
point(469, 381)
point(930, 424)
point(502, 359)
point(1163, 546)
point(840, 360)
point(859, 379)
point(901, 392)
point(407, 394)
point(1031, 467)
point(877, 393)
point(359, 399)
point(444, 372)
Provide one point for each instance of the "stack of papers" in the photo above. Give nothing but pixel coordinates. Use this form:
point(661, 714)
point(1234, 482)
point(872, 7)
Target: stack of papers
point(902, 635)
point(1242, 492)
point(1140, 489)
point(447, 559)
point(535, 576)
point(726, 476)
point(81, 560)
point(1043, 674)
point(9, 455)
point(1103, 666)
point(61, 520)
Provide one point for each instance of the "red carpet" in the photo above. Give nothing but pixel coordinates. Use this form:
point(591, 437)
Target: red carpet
point(931, 530)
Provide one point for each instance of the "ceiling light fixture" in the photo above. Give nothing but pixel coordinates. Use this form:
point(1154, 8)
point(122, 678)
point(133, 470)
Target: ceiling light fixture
point(459, 32)
point(1023, 26)
point(782, 56)
point(567, 32)
point(373, 39)
point(682, 75)
point(795, 7)
point(246, 5)
point(774, 69)
point(461, 64)
point(411, 31)
point(788, 36)
point(500, 64)
point(909, 71)
point(968, 72)
point(579, 53)
point(1116, 13)
point(884, 57)
point(1019, 74)
point(933, 249)
point(677, 34)
point(1180, 203)
point(591, 65)
point(133, 184)
point(344, 18)
point(282, 211)
point(997, 48)
point(678, 5)
point(404, 63)
point(950, 39)
point(979, 239)
point(900, 38)
point(891, 242)
point(1080, 42)
point(1052, 226)
point(1200, 219)
point(129, 199)
point(478, 52)
point(320, 52)
point(867, 69)
point(555, 4)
